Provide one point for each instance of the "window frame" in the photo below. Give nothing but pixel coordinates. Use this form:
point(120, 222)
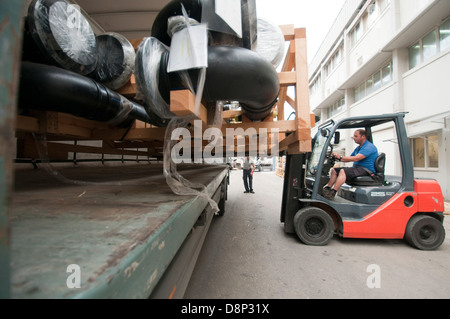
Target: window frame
point(425, 143)
point(421, 53)
point(378, 82)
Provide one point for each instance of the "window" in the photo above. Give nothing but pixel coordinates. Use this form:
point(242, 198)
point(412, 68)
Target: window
point(444, 35)
point(433, 151)
point(360, 92)
point(438, 40)
point(334, 60)
point(336, 107)
point(315, 85)
point(419, 152)
point(414, 55)
point(386, 74)
point(374, 82)
point(429, 46)
point(369, 85)
point(372, 12)
point(356, 34)
point(425, 151)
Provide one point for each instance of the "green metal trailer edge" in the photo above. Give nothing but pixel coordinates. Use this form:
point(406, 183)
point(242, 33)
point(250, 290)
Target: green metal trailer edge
point(10, 44)
point(122, 252)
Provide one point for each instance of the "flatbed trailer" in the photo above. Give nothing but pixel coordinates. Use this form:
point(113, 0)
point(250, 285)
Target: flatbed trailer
point(122, 228)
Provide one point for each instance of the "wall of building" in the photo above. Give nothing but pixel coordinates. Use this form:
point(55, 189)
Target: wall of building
point(387, 31)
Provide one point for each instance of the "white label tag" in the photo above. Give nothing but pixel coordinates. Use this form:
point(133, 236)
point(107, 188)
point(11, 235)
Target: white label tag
point(189, 49)
point(230, 12)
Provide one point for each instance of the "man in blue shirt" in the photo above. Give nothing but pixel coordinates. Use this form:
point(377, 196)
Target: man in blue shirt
point(363, 158)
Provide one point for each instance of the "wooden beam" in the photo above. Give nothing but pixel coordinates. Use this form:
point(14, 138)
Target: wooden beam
point(289, 63)
point(231, 114)
point(287, 78)
point(26, 148)
point(137, 134)
point(288, 31)
point(27, 124)
point(289, 60)
point(182, 103)
point(302, 109)
point(291, 101)
point(282, 126)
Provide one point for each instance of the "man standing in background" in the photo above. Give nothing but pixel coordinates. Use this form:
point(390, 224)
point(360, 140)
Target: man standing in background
point(248, 169)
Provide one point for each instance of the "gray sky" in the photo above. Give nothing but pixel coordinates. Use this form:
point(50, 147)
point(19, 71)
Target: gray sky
point(317, 16)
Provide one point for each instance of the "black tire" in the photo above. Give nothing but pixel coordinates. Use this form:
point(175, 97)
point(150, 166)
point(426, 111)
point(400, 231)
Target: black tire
point(221, 205)
point(425, 232)
point(223, 197)
point(314, 226)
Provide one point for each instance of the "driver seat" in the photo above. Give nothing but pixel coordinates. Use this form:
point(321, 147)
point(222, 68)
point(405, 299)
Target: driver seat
point(375, 179)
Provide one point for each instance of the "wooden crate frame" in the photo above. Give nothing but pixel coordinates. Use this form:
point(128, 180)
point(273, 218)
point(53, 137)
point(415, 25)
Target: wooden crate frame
point(146, 140)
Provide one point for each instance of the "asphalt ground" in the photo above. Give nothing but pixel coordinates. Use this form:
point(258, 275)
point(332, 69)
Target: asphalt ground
point(247, 255)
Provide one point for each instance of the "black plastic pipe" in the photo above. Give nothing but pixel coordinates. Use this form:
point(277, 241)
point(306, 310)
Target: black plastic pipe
point(237, 74)
point(51, 88)
point(233, 74)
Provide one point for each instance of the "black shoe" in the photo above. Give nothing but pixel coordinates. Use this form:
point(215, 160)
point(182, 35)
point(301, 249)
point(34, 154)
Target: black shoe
point(246, 192)
point(252, 192)
point(330, 195)
point(326, 191)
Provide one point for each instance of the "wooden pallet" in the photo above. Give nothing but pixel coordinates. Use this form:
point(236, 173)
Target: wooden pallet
point(146, 140)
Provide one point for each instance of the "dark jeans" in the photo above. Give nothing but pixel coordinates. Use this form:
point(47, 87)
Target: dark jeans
point(248, 180)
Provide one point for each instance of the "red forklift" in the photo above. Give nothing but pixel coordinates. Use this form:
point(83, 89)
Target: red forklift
point(373, 207)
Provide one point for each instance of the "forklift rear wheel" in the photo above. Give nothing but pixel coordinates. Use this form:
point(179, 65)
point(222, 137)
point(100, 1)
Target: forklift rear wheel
point(425, 232)
point(314, 226)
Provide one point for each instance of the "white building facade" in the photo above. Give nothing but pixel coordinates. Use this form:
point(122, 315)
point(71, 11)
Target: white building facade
point(386, 56)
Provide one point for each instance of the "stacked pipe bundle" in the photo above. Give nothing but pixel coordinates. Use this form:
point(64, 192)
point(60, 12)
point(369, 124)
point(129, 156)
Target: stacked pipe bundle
point(67, 68)
point(65, 39)
point(77, 71)
point(235, 71)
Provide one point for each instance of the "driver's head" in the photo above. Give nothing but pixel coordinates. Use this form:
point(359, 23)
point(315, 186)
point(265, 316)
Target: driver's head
point(360, 136)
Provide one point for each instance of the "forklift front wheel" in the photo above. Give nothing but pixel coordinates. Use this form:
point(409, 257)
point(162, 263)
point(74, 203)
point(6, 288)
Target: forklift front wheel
point(314, 226)
point(425, 232)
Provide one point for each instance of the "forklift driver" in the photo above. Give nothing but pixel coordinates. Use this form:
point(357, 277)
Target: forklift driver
point(363, 158)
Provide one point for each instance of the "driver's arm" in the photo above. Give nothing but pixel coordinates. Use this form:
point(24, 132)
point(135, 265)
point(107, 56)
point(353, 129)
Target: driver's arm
point(356, 158)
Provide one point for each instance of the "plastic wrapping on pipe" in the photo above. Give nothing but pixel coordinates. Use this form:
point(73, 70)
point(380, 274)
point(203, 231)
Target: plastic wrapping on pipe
point(178, 184)
point(116, 58)
point(271, 43)
point(147, 72)
point(63, 35)
point(65, 38)
point(176, 181)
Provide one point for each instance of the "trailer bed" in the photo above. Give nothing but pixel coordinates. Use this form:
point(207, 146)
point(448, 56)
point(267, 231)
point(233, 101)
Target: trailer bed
point(123, 234)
